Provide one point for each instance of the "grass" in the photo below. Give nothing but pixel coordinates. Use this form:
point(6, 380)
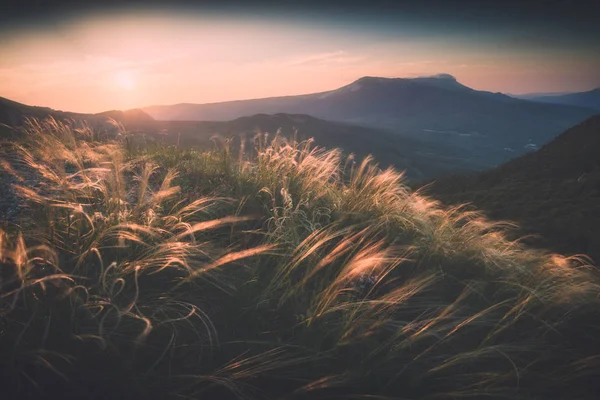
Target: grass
point(293, 274)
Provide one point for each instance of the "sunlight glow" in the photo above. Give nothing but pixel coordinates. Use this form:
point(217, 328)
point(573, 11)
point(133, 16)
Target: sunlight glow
point(132, 59)
point(125, 80)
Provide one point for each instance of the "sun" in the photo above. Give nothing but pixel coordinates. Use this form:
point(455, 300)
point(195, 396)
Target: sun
point(125, 80)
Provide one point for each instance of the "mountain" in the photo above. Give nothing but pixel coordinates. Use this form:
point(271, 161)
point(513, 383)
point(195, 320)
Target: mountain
point(590, 99)
point(528, 96)
point(421, 159)
point(553, 192)
point(133, 116)
point(437, 108)
point(15, 114)
point(356, 101)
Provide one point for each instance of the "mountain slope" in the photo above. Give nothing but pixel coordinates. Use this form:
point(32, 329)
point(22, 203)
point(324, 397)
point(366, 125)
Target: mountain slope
point(436, 108)
point(529, 96)
point(420, 158)
point(553, 192)
point(590, 99)
point(127, 117)
point(14, 114)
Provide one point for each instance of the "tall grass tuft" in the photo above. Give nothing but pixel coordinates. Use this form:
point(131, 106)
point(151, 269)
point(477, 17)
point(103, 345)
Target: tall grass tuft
point(292, 273)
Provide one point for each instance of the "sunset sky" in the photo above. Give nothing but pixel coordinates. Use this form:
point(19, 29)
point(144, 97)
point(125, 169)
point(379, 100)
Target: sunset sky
point(95, 58)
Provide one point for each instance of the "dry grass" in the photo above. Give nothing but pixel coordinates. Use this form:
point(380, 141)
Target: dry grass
point(293, 274)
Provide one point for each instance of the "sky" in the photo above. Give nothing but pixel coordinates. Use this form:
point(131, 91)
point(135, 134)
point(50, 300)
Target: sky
point(96, 56)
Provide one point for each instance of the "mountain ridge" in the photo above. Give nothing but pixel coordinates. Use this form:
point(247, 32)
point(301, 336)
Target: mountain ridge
point(13, 113)
point(490, 126)
point(419, 158)
point(552, 193)
point(406, 105)
point(442, 77)
point(589, 98)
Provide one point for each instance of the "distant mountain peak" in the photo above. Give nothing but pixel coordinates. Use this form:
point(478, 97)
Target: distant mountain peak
point(442, 76)
point(135, 114)
point(373, 79)
point(377, 79)
point(441, 80)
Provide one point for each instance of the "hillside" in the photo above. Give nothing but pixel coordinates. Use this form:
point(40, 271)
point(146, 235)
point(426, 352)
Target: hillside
point(14, 114)
point(421, 159)
point(134, 116)
point(438, 109)
point(589, 99)
point(181, 274)
point(553, 192)
point(529, 96)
